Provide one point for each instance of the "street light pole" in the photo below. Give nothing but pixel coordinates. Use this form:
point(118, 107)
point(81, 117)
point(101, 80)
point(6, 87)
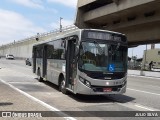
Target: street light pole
point(145, 57)
point(61, 24)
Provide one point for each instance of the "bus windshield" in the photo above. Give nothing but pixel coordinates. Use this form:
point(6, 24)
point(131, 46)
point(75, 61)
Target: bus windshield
point(103, 57)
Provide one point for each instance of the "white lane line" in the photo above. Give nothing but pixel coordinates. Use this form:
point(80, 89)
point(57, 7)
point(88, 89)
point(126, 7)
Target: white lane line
point(20, 73)
point(152, 77)
point(144, 107)
point(137, 107)
point(143, 91)
point(39, 101)
point(22, 82)
point(154, 86)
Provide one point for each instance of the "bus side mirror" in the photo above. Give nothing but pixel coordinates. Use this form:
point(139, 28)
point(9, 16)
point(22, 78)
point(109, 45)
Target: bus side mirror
point(77, 53)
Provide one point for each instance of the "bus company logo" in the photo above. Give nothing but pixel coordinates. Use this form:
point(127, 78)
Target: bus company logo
point(21, 114)
point(6, 114)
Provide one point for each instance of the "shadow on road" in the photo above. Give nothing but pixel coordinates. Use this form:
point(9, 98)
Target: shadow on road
point(122, 98)
point(102, 98)
point(51, 85)
point(5, 103)
point(95, 98)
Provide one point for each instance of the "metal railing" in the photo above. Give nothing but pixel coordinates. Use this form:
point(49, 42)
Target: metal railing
point(40, 35)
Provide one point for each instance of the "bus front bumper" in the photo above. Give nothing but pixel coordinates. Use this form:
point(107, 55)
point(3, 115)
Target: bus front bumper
point(100, 90)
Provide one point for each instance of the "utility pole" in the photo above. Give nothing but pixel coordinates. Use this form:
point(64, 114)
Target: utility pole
point(61, 24)
point(132, 61)
point(145, 57)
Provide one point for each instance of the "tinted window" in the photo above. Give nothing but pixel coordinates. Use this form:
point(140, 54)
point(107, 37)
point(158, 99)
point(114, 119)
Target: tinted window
point(39, 52)
point(55, 49)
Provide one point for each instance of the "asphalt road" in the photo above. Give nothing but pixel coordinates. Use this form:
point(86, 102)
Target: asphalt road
point(143, 94)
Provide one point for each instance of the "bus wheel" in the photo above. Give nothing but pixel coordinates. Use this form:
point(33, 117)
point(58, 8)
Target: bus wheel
point(62, 87)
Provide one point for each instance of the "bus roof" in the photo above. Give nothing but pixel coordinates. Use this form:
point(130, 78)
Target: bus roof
point(76, 32)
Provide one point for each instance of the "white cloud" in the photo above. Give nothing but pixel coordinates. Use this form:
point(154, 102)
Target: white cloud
point(52, 10)
point(30, 3)
point(67, 22)
point(14, 26)
point(56, 25)
point(70, 3)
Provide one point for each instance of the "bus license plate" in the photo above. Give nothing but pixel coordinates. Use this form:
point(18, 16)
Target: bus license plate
point(107, 89)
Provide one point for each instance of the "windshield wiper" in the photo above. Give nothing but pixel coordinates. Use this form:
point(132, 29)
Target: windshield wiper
point(118, 45)
point(99, 48)
point(116, 49)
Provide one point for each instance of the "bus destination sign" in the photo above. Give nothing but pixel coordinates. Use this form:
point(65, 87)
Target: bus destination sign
point(104, 36)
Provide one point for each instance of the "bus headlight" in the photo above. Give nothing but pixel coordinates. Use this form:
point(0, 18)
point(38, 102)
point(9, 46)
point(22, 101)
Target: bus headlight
point(84, 81)
point(124, 83)
point(87, 83)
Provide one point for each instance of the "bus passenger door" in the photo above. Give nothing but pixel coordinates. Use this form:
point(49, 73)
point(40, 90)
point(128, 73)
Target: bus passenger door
point(44, 61)
point(34, 59)
point(71, 64)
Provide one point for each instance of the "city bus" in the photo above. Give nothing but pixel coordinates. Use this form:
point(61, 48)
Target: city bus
point(85, 61)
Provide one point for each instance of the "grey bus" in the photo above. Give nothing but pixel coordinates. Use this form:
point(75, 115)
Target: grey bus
point(85, 61)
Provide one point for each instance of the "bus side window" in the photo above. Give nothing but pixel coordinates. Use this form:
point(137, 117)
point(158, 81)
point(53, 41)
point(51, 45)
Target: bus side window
point(50, 49)
point(63, 44)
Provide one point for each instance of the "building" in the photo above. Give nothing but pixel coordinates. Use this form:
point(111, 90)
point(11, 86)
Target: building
point(138, 19)
point(151, 55)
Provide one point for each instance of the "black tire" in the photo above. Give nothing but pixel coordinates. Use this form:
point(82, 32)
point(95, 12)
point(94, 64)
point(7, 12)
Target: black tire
point(62, 86)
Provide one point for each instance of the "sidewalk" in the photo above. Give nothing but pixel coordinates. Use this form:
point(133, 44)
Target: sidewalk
point(12, 100)
point(155, 73)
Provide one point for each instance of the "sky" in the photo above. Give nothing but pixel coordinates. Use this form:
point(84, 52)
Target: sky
point(139, 50)
point(20, 19)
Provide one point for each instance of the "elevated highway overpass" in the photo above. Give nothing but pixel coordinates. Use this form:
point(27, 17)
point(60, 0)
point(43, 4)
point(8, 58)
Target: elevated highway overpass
point(23, 48)
point(138, 19)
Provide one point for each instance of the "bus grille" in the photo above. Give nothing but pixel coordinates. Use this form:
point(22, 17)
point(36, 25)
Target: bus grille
point(100, 88)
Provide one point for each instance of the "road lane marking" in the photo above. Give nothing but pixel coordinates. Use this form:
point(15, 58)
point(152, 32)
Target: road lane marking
point(153, 86)
point(22, 82)
point(137, 107)
point(19, 73)
point(144, 107)
point(143, 91)
point(152, 77)
point(39, 101)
